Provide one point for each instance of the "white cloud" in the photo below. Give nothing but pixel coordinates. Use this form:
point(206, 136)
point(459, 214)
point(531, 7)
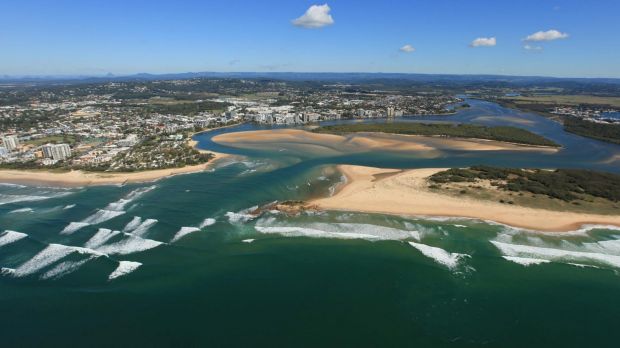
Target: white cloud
point(317, 16)
point(533, 48)
point(484, 41)
point(407, 49)
point(548, 35)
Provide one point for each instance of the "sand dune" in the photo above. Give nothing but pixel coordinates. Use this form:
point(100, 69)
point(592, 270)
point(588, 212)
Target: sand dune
point(406, 193)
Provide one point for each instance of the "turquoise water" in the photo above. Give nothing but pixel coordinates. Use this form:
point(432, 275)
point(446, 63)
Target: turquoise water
point(179, 262)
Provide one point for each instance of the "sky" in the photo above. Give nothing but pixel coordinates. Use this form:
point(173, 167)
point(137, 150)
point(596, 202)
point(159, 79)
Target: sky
point(564, 38)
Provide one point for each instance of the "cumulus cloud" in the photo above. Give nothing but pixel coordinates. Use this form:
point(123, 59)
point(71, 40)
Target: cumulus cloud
point(548, 35)
point(317, 16)
point(407, 49)
point(483, 41)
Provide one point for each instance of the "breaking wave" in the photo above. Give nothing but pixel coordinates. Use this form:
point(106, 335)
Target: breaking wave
point(131, 244)
point(124, 268)
point(525, 261)
point(22, 210)
point(8, 199)
point(242, 216)
point(144, 227)
point(73, 227)
point(207, 222)
point(8, 237)
point(102, 215)
point(337, 231)
point(440, 256)
point(184, 231)
point(561, 255)
point(100, 238)
point(64, 268)
point(130, 197)
point(133, 224)
point(50, 255)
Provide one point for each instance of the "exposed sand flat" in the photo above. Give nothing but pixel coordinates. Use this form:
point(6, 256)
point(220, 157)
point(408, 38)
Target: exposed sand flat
point(612, 159)
point(513, 119)
point(406, 193)
point(367, 141)
point(81, 178)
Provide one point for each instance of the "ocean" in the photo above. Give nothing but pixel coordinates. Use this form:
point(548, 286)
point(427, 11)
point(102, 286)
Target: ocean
point(181, 262)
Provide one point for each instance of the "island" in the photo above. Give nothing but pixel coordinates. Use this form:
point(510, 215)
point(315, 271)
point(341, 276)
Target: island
point(452, 130)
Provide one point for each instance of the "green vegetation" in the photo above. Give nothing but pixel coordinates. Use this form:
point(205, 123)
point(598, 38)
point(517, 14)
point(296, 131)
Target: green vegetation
point(572, 100)
point(604, 132)
point(569, 185)
point(506, 134)
point(53, 139)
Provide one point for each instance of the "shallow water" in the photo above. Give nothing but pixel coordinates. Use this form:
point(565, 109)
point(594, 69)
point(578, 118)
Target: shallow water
point(181, 262)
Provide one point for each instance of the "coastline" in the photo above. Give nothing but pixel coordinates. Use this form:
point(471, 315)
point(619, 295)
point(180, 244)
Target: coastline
point(396, 192)
point(81, 178)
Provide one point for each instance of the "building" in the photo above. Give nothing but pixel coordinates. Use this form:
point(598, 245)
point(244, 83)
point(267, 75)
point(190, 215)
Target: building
point(11, 142)
point(56, 151)
point(391, 112)
point(4, 152)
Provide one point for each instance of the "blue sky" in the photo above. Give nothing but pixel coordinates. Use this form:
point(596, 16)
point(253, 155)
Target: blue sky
point(42, 37)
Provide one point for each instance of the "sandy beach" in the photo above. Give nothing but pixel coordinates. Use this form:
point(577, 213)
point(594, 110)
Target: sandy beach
point(81, 178)
point(398, 192)
point(367, 141)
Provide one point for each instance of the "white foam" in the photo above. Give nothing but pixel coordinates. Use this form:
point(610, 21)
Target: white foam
point(144, 227)
point(248, 241)
point(70, 206)
point(133, 224)
point(48, 256)
point(8, 199)
point(525, 261)
point(130, 197)
point(22, 210)
point(557, 255)
point(207, 222)
point(9, 237)
point(336, 230)
point(131, 244)
point(460, 226)
point(241, 216)
point(100, 238)
point(12, 185)
point(102, 215)
point(7, 271)
point(445, 258)
point(73, 227)
point(124, 268)
point(184, 231)
point(64, 268)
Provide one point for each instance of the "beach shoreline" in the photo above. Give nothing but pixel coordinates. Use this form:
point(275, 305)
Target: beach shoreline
point(405, 193)
point(78, 178)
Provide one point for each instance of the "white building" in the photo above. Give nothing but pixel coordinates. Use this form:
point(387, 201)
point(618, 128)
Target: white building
point(56, 151)
point(10, 142)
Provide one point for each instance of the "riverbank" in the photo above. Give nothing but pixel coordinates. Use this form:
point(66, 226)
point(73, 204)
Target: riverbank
point(358, 142)
point(397, 192)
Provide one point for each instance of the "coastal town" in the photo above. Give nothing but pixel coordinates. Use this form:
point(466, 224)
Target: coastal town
point(146, 125)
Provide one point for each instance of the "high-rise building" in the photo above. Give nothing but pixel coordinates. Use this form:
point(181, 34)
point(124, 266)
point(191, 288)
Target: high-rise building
point(56, 151)
point(11, 142)
point(391, 112)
